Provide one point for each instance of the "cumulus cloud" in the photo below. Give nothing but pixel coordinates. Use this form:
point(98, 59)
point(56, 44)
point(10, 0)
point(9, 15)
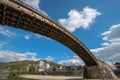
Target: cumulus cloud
point(8, 56)
point(35, 4)
point(112, 35)
point(79, 19)
point(27, 37)
point(73, 61)
point(6, 32)
point(49, 58)
point(110, 51)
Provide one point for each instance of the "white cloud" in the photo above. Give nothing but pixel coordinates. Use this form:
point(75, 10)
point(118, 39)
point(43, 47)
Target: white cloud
point(37, 36)
point(74, 61)
point(31, 56)
point(2, 43)
point(79, 19)
point(32, 3)
point(8, 56)
point(113, 34)
point(110, 51)
point(6, 32)
point(49, 58)
point(41, 36)
point(35, 4)
point(27, 37)
point(105, 44)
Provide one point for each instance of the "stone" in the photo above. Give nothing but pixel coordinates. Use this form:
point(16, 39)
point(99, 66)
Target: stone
point(100, 71)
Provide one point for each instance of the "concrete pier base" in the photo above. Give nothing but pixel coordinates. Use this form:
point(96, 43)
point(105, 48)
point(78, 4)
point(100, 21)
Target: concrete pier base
point(100, 71)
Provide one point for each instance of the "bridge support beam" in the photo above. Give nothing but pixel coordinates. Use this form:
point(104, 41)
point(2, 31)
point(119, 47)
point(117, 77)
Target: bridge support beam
point(100, 71)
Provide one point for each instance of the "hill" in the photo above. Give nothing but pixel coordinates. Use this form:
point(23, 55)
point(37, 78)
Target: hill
point(20, 65)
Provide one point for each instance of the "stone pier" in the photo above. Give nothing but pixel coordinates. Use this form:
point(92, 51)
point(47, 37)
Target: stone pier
point(101, 71)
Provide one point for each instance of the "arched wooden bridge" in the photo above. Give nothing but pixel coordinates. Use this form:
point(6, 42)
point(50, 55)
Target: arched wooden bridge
point(19, 15)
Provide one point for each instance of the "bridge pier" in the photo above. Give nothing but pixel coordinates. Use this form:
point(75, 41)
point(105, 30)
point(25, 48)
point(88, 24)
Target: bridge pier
point(100, 71)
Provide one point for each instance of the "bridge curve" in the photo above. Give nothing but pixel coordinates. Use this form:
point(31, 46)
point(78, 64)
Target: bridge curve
point(19, 15)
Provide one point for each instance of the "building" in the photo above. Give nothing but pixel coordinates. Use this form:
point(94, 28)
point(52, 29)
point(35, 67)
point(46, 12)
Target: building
point(56, 68)
point(38, 67)
point(43, 66)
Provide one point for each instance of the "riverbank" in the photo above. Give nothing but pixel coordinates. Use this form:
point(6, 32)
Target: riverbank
point(41, 77)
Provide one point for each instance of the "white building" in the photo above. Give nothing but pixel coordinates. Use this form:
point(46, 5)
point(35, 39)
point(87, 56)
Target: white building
point(43, 66)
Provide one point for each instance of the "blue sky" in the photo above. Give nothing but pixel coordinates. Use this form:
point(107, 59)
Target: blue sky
point(95, 23)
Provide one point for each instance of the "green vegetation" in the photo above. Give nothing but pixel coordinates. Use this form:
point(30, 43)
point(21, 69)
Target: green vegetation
point(21, 65)
point(14, 69)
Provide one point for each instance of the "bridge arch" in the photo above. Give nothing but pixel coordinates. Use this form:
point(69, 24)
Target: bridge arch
point(19, 15)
